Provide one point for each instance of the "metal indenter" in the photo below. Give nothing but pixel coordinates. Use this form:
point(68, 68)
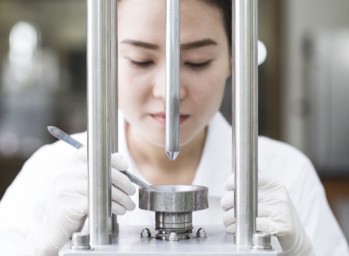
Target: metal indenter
point(245, 117)
point(172, 77)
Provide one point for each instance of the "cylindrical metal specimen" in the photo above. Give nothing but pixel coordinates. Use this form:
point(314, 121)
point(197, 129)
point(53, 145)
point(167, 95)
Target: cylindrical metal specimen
point(173, 207)
point(177, 198)
point(172, 78)
point(245, 81)
point(98, 74)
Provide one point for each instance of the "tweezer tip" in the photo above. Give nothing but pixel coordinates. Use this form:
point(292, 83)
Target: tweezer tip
point(172, 155)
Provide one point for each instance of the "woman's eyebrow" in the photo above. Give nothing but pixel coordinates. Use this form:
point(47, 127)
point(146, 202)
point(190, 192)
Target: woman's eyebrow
point(141, 44)
point(198, 44)
point(186, 46)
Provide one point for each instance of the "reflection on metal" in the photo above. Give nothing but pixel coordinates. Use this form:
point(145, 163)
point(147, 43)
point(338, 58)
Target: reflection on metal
point(245, 119)
point(173, 207)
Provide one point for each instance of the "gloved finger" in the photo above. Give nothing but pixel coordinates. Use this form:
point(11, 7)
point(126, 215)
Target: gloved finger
point(121, 181)
point(263, 211)
point(267, 225)
point(73, 209)
point(118, 162)
point(229, 217)
point(227, 201)
point(230, 183)
point(232, 228)
point(266, 183)
point(123, 199)
point(73, 184)
point(117, 209)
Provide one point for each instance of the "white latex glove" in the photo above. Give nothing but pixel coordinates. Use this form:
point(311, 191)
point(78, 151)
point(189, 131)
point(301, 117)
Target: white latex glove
point(276, 215)
point(67, 205)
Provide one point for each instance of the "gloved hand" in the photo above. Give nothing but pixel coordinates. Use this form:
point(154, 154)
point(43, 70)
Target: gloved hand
point(67, 204)
point(276, 215)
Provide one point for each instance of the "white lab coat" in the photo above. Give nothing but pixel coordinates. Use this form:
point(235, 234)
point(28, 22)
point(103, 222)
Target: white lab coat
point(23, 206)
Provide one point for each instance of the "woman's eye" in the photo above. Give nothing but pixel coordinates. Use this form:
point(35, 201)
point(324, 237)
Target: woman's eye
point(141, 64)
point(198, 65)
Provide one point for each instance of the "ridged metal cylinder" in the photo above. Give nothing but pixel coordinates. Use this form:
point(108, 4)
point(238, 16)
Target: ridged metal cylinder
point(245, 117)
point(99, 147)
point(174, 198)
point(173, 207)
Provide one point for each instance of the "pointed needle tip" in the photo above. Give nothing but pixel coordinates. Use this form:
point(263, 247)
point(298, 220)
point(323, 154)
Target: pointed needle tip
point(172, 155)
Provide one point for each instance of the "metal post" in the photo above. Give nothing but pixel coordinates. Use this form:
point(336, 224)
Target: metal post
point(113, 106)
point(246, 118)
point(172, 77)
point(98, 70)
point(113, 77)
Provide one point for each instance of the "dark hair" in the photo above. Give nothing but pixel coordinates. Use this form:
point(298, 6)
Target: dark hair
point(225, 7)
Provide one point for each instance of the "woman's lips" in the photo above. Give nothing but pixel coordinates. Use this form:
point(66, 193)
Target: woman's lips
point(161, 118)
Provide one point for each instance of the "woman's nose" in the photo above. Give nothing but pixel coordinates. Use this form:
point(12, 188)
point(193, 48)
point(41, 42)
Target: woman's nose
point(159, 87)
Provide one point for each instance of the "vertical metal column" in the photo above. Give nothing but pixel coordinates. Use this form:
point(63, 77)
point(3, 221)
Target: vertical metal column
point(113, 102)
point(113, 106)
point(172, 77)
point(245, 81)
point(98, 70)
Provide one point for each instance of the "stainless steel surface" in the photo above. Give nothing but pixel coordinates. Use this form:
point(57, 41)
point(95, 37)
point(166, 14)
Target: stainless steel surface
point(113, 101)
point(99, 148)
point(145, 233)
point(114, 225)
point(173, 226)
point(262, 241)
point(173, 206)
point(113, 106)
point(201, 233)
point(59, 134)
point(172, 77)
point(218, 242)
point(80, 241)
point(177, 198)
point(245, 118)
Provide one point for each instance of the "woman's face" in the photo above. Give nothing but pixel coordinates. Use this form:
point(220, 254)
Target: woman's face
point(205, 66)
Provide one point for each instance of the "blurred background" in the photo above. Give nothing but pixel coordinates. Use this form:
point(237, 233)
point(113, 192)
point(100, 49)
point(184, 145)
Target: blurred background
point(303, 84)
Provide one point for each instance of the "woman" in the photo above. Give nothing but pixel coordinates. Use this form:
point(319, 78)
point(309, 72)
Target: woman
point(47, 201)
